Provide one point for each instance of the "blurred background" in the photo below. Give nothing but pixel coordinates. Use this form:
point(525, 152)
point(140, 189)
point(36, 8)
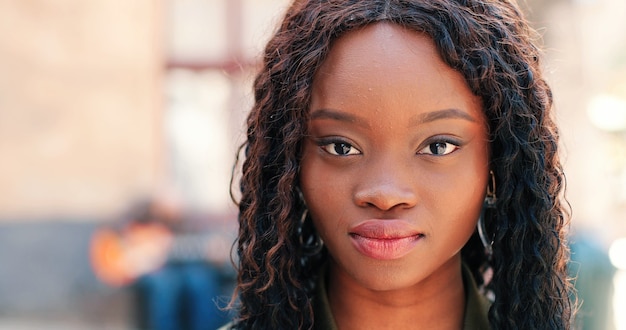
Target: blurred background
point(120, 122)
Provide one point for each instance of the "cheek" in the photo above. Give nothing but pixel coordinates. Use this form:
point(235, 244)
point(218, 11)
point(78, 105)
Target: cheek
point(325, 192)
point(313, 182)
point(458, 197)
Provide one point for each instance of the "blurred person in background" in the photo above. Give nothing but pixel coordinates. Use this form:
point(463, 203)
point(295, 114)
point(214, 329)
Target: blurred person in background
point(174, 265)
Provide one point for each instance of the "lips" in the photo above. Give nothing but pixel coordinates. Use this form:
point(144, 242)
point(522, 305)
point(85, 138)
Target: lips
point(385, 239)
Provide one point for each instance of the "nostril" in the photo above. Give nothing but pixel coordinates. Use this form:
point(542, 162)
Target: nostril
point(386, 198)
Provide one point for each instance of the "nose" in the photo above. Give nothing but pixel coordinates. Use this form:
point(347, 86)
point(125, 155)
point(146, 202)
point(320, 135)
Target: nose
point(387, 185)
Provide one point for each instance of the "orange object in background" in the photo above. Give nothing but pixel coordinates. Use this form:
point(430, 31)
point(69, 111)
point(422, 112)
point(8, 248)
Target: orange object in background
point(120, 257)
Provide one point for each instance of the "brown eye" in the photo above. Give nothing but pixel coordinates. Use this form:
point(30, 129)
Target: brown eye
point(340, 149)
point(439, 148)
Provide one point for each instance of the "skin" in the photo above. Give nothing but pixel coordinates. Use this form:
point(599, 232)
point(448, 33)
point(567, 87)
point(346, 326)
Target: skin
point(398, 142)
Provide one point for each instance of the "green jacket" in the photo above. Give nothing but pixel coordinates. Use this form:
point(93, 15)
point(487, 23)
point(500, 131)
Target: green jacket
point(476, 306)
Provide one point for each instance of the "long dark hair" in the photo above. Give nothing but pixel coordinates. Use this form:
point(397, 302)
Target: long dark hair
point(490, 43)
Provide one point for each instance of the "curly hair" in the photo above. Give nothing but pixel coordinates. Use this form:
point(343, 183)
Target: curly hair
point(490, 43)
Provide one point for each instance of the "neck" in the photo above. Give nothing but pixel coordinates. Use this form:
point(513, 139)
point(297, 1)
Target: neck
point(437, 302)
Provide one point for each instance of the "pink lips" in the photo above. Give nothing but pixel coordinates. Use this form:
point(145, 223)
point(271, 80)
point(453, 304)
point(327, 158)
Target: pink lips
point(385, 239)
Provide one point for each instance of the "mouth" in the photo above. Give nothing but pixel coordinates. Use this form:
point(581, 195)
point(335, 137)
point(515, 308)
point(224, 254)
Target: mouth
point(385, 239)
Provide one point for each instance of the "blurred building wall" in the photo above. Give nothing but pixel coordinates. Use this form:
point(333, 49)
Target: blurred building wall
point(101, 102)
point(212, 50)
point(80, 99)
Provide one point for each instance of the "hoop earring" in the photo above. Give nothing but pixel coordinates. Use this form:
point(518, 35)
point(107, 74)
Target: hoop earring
point(489, 203)
point(310, 242)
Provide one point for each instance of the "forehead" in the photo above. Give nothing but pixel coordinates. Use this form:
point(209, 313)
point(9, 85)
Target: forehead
point(383, 38)
point(392, 67)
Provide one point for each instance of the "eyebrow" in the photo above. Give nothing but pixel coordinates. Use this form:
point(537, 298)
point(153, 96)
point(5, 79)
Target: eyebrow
point(337, 115)
point(420, 119)
point(442, 114)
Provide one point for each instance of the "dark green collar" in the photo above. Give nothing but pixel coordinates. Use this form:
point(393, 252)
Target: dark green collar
point(476, 306)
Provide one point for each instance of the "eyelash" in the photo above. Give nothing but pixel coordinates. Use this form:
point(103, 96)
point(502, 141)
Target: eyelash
point(330, 146)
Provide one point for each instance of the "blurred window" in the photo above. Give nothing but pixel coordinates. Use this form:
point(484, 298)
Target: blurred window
point(211, 50)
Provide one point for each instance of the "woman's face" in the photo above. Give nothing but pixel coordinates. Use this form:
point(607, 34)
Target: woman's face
point(395, 166)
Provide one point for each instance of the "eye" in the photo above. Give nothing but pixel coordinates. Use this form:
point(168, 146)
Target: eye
point(339, 148)
point(439, 148)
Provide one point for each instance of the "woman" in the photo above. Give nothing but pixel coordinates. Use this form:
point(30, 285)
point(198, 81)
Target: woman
point(401, 168)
